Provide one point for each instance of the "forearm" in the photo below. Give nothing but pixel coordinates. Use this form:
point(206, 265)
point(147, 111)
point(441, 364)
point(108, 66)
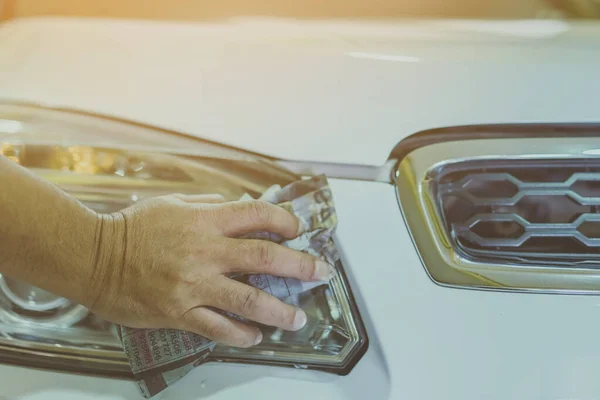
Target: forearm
point(47, 238)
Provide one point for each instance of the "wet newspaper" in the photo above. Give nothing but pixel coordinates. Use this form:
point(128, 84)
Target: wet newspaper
point(160, 357)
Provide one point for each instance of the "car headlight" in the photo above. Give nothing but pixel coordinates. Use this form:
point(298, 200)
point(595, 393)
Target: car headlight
point(109, 164)
point(505, 207)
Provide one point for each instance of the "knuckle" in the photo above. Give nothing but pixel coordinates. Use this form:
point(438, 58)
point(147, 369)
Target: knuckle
point(197, 214)
point(176, 300)
point(178, 304)
point(259, 212)
point(306, 267)
point(219, 217)
point(207, 219)
point(173, 310)
point(249, 301)
point(265, 254)
point(217, 331)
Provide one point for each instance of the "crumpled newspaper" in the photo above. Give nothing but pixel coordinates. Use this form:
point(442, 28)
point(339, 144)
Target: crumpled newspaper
point(160, 357)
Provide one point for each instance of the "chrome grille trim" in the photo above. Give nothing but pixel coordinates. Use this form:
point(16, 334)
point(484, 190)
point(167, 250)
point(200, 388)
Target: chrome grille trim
point(530, 230)
point(530, 188)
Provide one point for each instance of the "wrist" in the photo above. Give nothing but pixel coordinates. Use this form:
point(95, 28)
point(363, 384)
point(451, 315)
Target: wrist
point(106, 262)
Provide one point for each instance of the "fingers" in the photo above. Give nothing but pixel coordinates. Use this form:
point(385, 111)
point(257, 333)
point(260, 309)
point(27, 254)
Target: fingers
point(200, 198)
point(243, 217)
point(261, 256)
point(220, 328)
point(256, 305)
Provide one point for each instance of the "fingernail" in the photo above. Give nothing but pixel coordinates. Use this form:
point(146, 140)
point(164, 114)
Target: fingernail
point(299, 320)
point(323, 271)
point(259, 338)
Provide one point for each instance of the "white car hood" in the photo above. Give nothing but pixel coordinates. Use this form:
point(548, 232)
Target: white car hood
point(318, 91)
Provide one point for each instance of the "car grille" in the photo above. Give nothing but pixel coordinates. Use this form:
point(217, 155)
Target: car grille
point(529, 211)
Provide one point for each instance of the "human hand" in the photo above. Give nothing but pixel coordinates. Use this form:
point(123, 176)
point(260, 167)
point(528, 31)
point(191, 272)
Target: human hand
point(164, 263)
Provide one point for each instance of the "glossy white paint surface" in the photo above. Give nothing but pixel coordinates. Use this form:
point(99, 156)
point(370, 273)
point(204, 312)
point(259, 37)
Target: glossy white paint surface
point(297, 90)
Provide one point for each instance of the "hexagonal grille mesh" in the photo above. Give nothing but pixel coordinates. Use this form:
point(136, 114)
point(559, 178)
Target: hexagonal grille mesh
point(525, 211)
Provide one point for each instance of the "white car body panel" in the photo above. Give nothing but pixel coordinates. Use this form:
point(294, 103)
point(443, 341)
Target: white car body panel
point(297, 90)
point(346, 93)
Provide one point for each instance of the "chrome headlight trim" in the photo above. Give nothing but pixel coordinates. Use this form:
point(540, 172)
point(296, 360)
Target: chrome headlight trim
point(421, 156)
point(358, 172)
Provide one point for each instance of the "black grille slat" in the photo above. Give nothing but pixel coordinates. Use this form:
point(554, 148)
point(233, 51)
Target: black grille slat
point(531, 211)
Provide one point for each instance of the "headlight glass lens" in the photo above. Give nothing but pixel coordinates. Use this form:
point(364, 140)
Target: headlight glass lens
point(108, 165)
